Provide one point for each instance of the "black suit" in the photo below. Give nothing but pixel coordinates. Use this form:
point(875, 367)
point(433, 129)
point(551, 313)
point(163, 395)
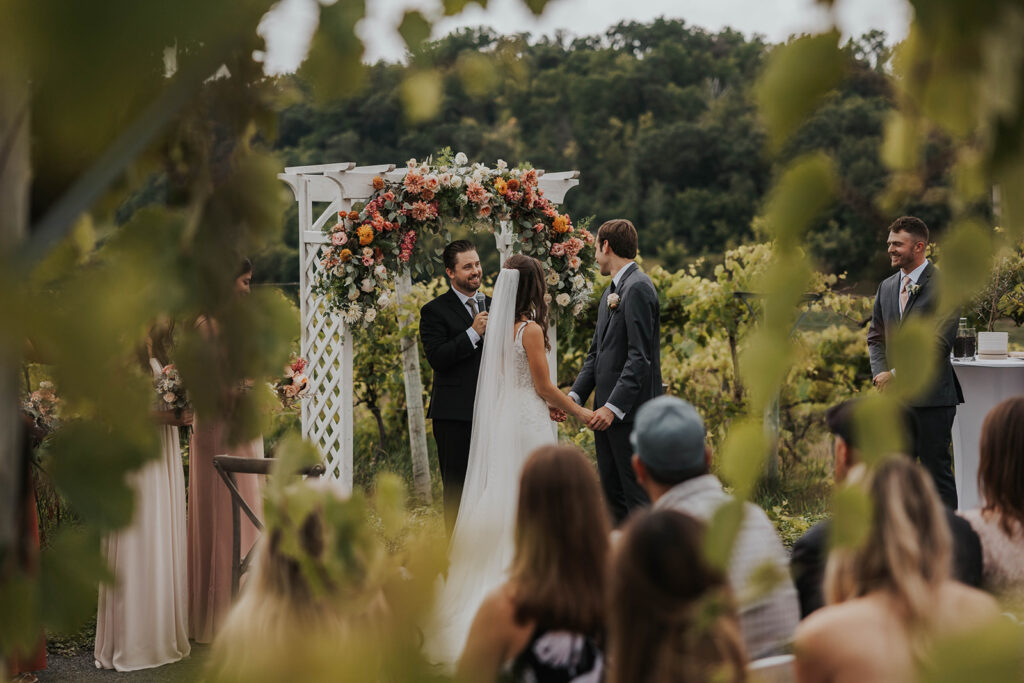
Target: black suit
point(935, 406)
point(456, 364)
point(810, 553)
point(623, 368)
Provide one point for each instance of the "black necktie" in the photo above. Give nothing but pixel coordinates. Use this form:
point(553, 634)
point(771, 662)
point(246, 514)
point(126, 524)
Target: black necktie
point(611, 287)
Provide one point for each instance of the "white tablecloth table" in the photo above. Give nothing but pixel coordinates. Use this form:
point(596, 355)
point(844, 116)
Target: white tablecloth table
point(985, 384)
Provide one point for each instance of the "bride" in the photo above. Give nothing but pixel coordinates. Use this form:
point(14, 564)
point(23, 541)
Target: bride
point(511, 418)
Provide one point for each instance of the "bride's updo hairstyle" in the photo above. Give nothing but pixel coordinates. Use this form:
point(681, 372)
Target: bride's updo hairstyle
point(530, 298)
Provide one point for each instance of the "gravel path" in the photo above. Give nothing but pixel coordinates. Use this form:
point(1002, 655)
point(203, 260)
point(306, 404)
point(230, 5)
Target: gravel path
point(81, 667)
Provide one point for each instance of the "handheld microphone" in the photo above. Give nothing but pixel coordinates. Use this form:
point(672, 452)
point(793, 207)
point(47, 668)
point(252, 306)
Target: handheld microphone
point(481, 302)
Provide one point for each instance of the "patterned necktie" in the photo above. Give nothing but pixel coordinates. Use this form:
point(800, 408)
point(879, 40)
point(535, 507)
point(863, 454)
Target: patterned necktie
point(473, 310)
point(904, 294)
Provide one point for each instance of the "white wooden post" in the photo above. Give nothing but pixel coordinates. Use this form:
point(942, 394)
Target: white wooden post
point(413, 393)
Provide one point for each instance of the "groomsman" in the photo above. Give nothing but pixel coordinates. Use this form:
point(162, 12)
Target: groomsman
point(912, 291)
point(623, 367)
point(451, 329)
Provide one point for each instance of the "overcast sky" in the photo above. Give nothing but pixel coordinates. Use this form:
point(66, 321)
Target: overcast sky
point(288, 26)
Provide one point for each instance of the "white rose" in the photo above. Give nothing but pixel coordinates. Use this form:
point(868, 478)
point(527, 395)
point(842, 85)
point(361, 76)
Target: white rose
point(446, 180)
point(562, 299)
point(456, 181)
point(352, 296)
point(553, 278)
point(501, 165)
point(424, 168)
point(368, 285)
point(384, 300)
point(578, 308)
point(380, 271)
point(370, 315)
point(461, 159)
point(547, 298)
point(411, 163)
point(579, 282)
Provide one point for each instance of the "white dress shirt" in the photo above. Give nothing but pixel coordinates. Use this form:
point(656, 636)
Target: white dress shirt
point(473, 336)
point(615, 281)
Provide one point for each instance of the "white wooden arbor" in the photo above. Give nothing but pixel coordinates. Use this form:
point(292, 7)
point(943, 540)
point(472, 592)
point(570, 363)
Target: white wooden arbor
point(321, 192)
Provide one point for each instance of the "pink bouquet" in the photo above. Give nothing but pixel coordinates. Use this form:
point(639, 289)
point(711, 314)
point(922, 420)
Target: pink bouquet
point(294, 384)
point(44, 406)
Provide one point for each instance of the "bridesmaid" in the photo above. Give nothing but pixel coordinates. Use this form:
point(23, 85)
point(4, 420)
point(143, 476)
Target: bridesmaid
point(141, 621)
point(209, 507)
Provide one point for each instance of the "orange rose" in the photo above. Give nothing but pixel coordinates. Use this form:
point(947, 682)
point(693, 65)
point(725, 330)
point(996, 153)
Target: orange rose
point(353, 215)
point(500, 186)
point(561, 223)
point(365, 233)
point(345, 255)
point(378, 182)
point(513, 185)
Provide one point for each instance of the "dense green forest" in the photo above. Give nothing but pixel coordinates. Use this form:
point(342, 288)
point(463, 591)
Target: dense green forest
point(659, 119)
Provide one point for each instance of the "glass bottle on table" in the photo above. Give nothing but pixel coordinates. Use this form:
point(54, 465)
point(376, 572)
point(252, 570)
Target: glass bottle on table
point(965, 344)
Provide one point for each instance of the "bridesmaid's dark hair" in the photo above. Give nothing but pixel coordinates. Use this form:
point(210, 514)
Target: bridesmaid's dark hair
point(532, 287)
point(244, 267)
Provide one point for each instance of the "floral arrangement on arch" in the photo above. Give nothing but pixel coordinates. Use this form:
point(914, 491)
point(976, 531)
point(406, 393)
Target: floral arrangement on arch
point(367, 247)
point(44, 407)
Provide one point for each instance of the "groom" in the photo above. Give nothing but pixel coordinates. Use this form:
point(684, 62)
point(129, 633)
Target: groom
point(623, 367)
point(451, 330)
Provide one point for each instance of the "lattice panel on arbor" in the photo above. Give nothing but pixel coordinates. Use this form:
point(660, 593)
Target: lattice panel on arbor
point(325, 343)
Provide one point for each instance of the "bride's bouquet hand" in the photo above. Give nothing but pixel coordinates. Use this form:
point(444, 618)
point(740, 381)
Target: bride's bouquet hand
point(557, 414)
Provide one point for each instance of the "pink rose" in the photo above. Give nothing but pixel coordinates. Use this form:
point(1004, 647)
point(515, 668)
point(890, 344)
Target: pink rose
point(574, 262)
point(558, 249)
point(368, 261)
point(339, 238)
point(169, 397)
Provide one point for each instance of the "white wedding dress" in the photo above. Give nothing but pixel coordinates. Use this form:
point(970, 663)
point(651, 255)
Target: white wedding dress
point(510, 420)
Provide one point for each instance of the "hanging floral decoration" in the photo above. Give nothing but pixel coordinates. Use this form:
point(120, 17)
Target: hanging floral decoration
point(369, 246)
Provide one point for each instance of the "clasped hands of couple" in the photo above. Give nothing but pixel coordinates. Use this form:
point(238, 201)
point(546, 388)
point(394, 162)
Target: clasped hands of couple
point(598, 420)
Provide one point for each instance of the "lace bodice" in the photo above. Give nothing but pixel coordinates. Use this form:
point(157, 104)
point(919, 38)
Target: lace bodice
point(534, 411)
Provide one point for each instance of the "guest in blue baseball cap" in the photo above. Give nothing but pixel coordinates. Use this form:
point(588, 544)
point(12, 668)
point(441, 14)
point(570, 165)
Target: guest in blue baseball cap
point(672, 462)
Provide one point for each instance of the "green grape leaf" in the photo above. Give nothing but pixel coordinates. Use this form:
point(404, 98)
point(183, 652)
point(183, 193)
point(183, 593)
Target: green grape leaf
point(912, 350)
point(851, 517)
point(414, 29)
point(721, 533)
point(966, 263)
point(421, 97)
point(796, 80)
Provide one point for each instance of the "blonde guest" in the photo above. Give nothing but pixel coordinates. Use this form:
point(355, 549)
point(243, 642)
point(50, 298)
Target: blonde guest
point(891, 598)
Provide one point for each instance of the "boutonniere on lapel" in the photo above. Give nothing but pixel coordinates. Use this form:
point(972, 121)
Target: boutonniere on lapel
point(613, 302)
point(913, 289)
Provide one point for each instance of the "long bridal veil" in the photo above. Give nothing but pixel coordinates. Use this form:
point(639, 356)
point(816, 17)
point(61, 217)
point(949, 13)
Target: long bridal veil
point(482, 542)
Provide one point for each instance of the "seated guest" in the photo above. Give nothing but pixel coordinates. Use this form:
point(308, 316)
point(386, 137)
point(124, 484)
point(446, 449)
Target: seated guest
point(313, 591)
point(671, 615)
point(891, 597)
point(1000, 523)
point(811, 551)
point(673, 464)
point(546, 622)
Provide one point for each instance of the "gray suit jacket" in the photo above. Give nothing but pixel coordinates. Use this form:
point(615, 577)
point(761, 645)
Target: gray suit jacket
point(885, 320)
point(623, 366)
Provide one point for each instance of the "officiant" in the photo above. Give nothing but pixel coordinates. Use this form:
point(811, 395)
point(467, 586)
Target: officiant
point(451, 330)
